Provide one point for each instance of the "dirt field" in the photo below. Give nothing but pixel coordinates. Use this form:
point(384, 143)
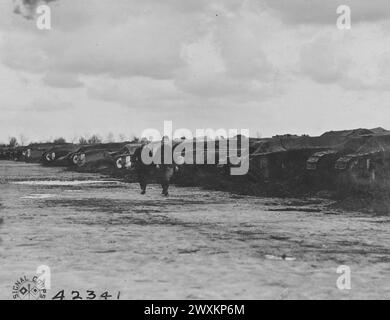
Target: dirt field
point(96, 233)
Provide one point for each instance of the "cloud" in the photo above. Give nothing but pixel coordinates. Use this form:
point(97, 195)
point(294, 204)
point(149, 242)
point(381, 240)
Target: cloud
point(321, 61)
point(15, 56)
point(26, 8)
point(45, 106)
point(134, 92)
point(205, 48)
point(62, 80)
point(229, 61)
point(128, 64)
point(116, 40)
point(356, 60)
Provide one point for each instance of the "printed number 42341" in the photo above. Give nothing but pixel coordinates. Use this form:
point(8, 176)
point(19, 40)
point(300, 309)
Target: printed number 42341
point(89, 295)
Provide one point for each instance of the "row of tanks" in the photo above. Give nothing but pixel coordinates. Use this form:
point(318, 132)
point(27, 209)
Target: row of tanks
point(356, 158)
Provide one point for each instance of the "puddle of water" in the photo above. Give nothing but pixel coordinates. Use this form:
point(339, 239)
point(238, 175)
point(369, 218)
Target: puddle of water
point(63, 183)
point(39, 196)
point(272, 257)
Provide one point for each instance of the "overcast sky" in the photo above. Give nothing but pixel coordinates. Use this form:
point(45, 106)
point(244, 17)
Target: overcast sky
point(272, 66)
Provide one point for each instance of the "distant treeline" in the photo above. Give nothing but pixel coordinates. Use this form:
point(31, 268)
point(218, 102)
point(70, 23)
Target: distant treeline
point(93, 139)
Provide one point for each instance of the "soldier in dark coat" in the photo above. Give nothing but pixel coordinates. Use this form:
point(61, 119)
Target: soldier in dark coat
point(162, 166)
point(143, 170)
point(165, 167)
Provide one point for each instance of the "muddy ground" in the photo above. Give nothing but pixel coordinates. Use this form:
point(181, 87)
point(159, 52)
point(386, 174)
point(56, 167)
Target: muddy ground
point(98, 233)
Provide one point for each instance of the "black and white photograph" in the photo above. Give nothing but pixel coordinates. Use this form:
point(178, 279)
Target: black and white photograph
point(212, 152)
